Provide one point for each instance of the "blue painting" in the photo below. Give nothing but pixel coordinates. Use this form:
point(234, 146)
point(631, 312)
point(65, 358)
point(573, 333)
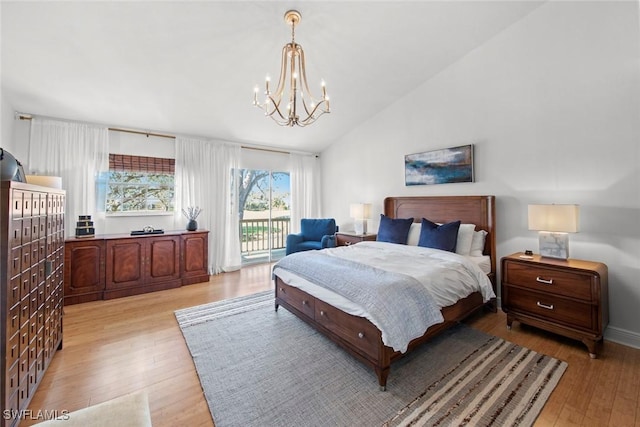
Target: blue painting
point(439, 166)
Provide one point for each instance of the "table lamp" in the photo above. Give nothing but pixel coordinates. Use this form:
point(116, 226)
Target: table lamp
point(360, 212)
point(553, 223)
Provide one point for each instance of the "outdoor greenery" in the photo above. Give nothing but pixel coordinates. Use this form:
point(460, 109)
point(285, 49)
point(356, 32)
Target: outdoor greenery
point(263, 192)
point(251, 231)
point(253, 191)
point(139, 192)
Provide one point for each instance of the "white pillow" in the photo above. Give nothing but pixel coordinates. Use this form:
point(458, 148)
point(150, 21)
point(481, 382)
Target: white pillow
point(477, 243)
point(414, 234)
point(465, 236)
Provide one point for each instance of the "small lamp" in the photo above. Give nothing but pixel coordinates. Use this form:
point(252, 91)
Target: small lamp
point(553, 223)
point(360, 212)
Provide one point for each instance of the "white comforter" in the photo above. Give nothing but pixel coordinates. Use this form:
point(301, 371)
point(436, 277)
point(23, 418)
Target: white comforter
point(447, 276)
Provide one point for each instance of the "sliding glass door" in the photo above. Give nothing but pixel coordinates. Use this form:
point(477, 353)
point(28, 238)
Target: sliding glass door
point(264, 201)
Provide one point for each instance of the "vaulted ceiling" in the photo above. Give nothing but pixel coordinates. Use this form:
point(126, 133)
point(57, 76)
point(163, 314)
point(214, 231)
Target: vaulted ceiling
point(189, 68)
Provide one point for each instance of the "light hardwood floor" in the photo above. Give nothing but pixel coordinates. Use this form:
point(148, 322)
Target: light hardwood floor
point(116, 347)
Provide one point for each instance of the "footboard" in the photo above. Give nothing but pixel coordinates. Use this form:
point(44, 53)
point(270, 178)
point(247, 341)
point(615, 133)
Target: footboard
point(357, 335)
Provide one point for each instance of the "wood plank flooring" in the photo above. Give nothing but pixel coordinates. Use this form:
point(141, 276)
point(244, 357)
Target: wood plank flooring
point(116, 347)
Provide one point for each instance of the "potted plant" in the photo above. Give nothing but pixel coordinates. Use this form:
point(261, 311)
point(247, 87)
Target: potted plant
point(192, 213)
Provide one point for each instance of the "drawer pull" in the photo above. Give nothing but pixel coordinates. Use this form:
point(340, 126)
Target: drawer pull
point(360, 335)
point(546, 282)
point(321, 312)
point(305, 302)
point(281, 289)
point(548, 307)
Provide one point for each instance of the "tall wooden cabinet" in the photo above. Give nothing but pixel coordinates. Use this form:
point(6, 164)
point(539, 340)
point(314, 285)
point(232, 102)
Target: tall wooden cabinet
point(114, 266)
point(31, 290)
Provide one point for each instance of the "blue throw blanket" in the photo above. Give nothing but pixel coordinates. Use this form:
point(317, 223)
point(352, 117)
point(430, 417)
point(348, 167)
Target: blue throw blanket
point(397, 304)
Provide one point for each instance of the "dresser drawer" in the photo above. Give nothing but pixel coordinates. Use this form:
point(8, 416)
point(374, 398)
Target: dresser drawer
point(550, 307)
point(296, 298)
point(362, 334)
point(560, 282)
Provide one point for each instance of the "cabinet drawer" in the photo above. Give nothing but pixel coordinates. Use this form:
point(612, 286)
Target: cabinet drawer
point(356, 330)
point(11, 379)
point(13, 294)
point(550, 307)
point(568, 283)
point(13, 320)
point(13, 349)
point(297, 298)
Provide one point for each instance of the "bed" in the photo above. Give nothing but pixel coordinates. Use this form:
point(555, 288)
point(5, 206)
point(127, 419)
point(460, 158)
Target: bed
point(360, 336)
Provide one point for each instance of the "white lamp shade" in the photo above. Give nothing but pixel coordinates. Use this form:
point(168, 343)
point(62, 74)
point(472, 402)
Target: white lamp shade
point(558, 218)
point(360, 210)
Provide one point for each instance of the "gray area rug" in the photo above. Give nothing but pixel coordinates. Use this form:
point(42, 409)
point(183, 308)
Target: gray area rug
point(259, 367)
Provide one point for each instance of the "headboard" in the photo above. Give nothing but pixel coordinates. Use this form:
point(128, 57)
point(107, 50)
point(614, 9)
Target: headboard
point(478, 210)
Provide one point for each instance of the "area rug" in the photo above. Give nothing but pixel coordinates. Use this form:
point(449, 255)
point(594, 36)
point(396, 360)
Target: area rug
point(131, 410)
point(259, 367)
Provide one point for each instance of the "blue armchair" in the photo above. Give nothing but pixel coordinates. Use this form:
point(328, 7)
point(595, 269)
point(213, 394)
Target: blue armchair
point(314, 234)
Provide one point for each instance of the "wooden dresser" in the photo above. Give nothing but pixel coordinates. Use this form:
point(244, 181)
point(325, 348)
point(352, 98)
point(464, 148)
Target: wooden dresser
point(567, 297)
point(119, 265)
point(31, 287)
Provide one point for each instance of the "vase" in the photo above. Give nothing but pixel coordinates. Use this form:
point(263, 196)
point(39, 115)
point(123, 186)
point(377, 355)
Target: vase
point(192, 225)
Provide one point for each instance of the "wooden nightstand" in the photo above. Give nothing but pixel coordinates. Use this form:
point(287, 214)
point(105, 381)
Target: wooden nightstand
point(346, 239)
point(567, 297)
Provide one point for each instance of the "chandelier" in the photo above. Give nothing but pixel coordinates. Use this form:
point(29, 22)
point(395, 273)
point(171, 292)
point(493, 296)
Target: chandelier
point(292, 102)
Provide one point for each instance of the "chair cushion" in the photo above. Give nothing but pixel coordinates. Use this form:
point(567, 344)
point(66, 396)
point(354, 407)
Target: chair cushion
point(308, 245)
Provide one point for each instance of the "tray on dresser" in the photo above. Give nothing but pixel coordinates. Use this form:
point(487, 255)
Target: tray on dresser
point(144, 232)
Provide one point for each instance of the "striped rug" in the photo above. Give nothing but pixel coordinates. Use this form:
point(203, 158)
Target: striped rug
point(500, 383)
point(259, 367)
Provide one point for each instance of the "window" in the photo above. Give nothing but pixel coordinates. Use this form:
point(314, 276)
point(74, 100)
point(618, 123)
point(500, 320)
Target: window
point(265, 201)
point(137, 184)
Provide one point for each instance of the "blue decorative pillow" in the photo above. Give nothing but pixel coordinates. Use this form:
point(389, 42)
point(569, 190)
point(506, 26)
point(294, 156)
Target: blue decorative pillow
point(394, 230)
point(436, 236)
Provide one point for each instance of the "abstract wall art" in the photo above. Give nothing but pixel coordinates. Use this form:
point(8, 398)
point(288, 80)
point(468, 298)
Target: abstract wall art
point(442, 166)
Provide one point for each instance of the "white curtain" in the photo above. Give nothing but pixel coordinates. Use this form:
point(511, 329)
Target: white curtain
point(305, 188)
point(204, 179)
point(77, 152)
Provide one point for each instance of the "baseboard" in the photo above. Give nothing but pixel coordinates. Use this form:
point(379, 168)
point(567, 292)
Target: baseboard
point(622, 336)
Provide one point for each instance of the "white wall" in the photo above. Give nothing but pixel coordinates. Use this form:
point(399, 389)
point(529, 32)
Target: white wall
point(6, 125)
point(552, 105)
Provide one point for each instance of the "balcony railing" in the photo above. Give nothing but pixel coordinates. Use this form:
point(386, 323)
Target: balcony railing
point(255, 235)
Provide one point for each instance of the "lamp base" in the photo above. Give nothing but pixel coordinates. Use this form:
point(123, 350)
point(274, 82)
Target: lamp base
point(553, 244)
point(360, 226)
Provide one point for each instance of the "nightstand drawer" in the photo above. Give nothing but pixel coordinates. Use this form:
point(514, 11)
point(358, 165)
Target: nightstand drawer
point(550, 307)
point(567, 283)
point(343, 239)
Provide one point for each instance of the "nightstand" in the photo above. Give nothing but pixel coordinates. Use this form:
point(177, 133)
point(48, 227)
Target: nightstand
point(346, 239)
point(567, 297)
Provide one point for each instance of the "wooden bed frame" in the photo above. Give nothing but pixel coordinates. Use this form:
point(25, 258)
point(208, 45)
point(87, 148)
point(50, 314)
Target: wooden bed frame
point(359, 336)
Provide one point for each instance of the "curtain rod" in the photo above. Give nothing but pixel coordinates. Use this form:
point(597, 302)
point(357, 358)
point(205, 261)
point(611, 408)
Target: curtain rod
point(22, 116)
